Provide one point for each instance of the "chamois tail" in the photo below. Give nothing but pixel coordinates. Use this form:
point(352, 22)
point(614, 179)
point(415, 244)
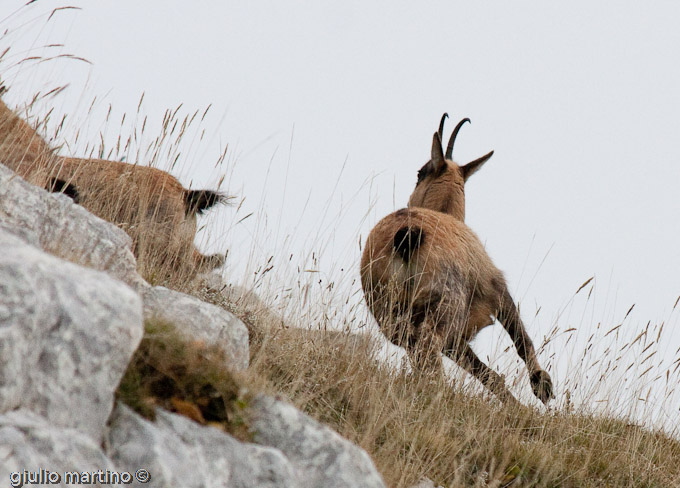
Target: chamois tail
point(198, 201)
point(56, 185)
point(407, 240)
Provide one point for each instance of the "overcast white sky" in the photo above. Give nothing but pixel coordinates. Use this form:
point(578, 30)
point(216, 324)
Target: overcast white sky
point(328, 109)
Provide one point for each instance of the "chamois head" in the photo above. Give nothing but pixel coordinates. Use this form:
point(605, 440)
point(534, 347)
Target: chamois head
point(441, 182)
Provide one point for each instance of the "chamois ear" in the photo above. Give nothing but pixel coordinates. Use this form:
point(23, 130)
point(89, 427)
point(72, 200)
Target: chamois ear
point(472, 167)
point(437, 158)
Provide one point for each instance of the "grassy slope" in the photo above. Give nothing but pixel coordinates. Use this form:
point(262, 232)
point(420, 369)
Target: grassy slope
point(413, 426)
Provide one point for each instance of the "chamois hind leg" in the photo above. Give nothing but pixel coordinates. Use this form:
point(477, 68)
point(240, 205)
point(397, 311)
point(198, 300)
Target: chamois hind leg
point(508, 315)
point(465, 357)
point(425, 351)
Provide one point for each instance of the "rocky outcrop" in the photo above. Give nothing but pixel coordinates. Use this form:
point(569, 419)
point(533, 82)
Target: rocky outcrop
point(30, 442)
point(199, 320)
point(53, 223)
point(67, 335)
point(180, 453)
point(72, 309)
point(294, 451)
point(319, 455)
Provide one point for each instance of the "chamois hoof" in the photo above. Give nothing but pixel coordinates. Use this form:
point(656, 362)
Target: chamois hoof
point(542, 386)
point(213, 261)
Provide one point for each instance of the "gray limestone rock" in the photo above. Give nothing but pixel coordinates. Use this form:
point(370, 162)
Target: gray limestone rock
point(200, 320)
point(53, 223)
point(320, 456)
point(66, 336)
point(29, 443)
point(426, 483)
point(178, 452)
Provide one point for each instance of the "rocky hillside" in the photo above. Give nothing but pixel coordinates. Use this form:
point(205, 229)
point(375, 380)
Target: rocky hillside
point(109, 380)
point(72, 314)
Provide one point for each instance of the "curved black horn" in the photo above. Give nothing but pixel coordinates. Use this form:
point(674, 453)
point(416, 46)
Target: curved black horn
point(441, 126)
point(449, 148)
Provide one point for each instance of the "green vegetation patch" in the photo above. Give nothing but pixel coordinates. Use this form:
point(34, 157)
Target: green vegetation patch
point(188, 377)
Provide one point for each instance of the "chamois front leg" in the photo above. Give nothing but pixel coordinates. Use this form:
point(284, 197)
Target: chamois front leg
point(508, 315)
point(466, 358)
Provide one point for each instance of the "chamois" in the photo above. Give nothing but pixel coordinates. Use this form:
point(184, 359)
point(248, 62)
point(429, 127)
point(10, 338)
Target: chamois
point(151, 205)
point(430, 284)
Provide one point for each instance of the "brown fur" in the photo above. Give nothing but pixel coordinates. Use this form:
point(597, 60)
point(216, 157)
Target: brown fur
point(149, 204)
point(431, 285)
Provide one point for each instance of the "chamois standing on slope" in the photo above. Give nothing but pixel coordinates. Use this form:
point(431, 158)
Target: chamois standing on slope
point(430, 284)
point(151, 205)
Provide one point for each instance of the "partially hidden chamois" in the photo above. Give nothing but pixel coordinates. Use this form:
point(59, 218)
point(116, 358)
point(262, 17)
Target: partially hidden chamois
point(151, 205)
point(430, 284)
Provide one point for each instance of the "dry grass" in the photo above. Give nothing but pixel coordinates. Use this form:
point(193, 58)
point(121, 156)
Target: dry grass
point(125, 180)
point(412, 426)
point(417, 426)
point(151, 205)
